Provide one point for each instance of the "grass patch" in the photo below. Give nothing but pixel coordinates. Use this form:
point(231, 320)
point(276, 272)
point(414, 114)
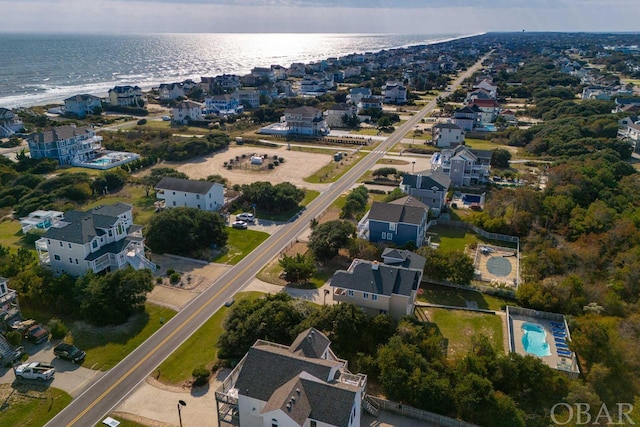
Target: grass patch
point(309, 196)
point(107, 346)
point(484, 144)
point(453, 238)
point(445, 295)
point(30, 405)
point(143, 208)
point(332, 171)
point(458, 326)
point(240, 244)
point(366, 131)
point(10, 233)
point(200, 348)
point(75, 169)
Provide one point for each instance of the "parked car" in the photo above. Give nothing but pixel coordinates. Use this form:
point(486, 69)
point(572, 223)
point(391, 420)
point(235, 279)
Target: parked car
point(246, 217)
point(166, 118)
point(69, 352)
point(239, 224)
point(31, 330)
point(35, 371)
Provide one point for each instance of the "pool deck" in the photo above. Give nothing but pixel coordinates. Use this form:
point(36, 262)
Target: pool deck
point(554, 361)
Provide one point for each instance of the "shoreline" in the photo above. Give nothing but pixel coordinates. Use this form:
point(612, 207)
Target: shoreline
point(19, 101)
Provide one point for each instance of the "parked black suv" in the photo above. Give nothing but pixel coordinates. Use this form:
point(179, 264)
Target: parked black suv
point(69, 352)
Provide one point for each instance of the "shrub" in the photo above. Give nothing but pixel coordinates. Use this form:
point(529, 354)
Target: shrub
point(174, 278)
point(201, 375)
point(14, 338)
point(271, 166)
point(281, 159)
point(170, 271)
point(142, 122)
point(159, 280)
point(58, 329)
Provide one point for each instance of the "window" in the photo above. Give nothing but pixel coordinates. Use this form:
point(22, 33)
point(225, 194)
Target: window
point(3, 288)
point(69, 245)
point(94, 244)
point(198, 206)
point(70, 260)
point(274, 422)
point(350, 293)
point(389, 236)
point(174, 203)
point(174, 193)
point(60, 244)
point(56, 257)
point(392, 226)
point(198, 196)
point(110, 233)
point(374, 297)
point(365, 295)
point(48, 241)
point(384, 236)
point(312, 423)
point(76, 261)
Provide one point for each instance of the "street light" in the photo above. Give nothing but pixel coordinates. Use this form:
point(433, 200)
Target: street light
point(180, 404)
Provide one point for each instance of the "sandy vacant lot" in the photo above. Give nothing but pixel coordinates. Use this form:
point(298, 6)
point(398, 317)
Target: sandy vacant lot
point(296, 167)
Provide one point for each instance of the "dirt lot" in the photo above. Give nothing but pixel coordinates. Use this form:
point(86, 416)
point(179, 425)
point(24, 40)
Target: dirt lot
point(297, 165)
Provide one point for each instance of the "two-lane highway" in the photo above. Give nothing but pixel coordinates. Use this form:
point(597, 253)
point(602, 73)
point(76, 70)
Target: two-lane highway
point(116, 384)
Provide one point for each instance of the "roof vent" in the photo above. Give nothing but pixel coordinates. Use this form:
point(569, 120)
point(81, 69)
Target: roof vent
point(298, 391)
point(289, 407)
point(293, 399)
point(374, 265)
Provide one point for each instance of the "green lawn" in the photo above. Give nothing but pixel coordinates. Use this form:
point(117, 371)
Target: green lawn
point(309, 196)
point(143, 208)
point(333, 170)
point(483, 144)
point(458, 238)
point(107, 346)
point(240, 244)
point(10, 233)
point(445, 295)
point(458, 326)
point(30, 405)
point(200, 348)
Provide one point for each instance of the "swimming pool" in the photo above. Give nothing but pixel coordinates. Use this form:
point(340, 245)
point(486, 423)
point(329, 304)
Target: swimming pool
point(534, 339)
point(101, 161)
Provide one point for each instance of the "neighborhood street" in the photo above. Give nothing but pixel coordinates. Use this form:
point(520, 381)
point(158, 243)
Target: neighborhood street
point(115, 385)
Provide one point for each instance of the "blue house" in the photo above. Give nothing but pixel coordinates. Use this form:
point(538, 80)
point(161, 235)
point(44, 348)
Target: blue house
point(398, 222)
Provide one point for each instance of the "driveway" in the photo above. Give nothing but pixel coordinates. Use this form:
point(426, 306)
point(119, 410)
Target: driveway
point(69, 377)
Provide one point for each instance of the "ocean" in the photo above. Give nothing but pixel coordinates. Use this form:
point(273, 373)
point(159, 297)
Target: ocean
point(36, 69)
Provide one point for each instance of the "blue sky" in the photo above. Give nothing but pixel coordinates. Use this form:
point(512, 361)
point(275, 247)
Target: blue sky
point(333, 16)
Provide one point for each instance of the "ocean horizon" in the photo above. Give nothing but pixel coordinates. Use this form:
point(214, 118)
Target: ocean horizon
point(46, 68)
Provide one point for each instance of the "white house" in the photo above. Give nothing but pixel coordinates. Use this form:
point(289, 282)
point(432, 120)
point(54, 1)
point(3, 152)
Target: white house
point(169, 91)
point(178, 192)
point(81, 105)
point(186, 111)
point(463, 165)
point(9, 308)
point(336, 112)
point(395, 93)
point(103, 238)
point(629, 130)
point(369, 103)
point(125, 96)
point(487, 85)
point(446, 135)
point(67, 144)
point(297, 69)
point(10, 123)
point(250, 97)
point(304, 384)
point(488, 110)
point(305, 121)
point(40, 219)
point(312, 85)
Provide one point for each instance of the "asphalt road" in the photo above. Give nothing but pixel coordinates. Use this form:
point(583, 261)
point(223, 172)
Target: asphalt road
point(91, 406)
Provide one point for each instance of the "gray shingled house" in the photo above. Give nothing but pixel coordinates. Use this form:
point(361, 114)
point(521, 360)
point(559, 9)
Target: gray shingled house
point(390, 287)
point(304, 384)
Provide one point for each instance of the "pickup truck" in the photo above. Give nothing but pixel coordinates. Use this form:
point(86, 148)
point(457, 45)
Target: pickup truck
point(35, 371)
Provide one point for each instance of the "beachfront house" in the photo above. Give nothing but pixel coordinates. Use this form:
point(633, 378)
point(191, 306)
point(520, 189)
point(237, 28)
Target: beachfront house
point(312, 85)
point(429, 187)
point(249, 98)
point(223, 104)
point(399, 222)
point(9, 307)
point(100, 239)
point(10, 123)
point(465, 166)
point(304, 384)
point(81, 105)
point(394, 93)
point(126, 96)
point(171, 91)
point(224, 81)
point(203, 195)
point(337, 112)
point(446, 135)
point(186, 111)
point(67, 144)
point(390, 287)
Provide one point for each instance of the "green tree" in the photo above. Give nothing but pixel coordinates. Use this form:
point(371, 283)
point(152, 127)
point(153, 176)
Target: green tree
point(500, 158)
point(328, 238)
point(297, 268)
point(183, 230)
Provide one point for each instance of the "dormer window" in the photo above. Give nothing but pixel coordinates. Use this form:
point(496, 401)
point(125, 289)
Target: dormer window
point(94, 244)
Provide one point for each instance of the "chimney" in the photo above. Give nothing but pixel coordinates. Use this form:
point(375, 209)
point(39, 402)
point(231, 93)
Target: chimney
point(374, 265)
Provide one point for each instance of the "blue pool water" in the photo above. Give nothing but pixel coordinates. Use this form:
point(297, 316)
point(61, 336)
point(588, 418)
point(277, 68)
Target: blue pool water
point(101, 162)
point(534, 340)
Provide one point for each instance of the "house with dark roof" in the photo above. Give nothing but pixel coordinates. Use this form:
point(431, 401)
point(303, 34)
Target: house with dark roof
point(466, 117)
point(336, 112)
point(446, 135)
point(125, 96)
point(390, 287)
point(178, 192)
point(305, 121)
point(81, 105)
point(67, 144)
point(100, 239)
point(304, 384)
point(429, 187)
point(186, 111)
point(10, 123)
point(463, 165)
point(399, 222)
point(489, 110)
